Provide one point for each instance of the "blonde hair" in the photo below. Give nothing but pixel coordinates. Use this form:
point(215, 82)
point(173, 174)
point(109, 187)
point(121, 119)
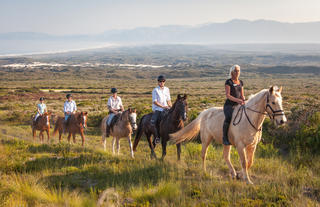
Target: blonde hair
point(232, 69)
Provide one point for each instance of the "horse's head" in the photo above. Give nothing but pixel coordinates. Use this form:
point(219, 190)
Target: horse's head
point(83, 117)
point(46, 117)
point(181, 106)
point(132, 115)
point(274, 105)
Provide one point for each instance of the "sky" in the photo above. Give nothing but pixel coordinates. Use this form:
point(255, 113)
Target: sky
point(67, 17)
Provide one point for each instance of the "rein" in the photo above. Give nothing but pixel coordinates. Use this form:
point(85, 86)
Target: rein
point(243, 108)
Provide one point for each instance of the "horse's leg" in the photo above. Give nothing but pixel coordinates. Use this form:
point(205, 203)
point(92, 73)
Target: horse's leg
point(48, 134)
point(33, 133)
point(153, 154)
point(243, 161)
point(113, 145)
point(69, 136)
point(226, 156)
point(130, 145)
point(164, 149)
point(74, 137)
point(104, 140)
point(205, 143)
point(178, 150)
point(250, 154)
point(118, 145)
point(82, 137)
point(60, 135)
point(41, 136)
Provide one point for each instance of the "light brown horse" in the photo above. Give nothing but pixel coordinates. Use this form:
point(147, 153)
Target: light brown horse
point(77, 124)
point(122, 128)
point(244, 132)
point(42, 124)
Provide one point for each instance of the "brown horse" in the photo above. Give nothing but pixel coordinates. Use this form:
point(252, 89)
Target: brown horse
point(122, 128)
point(77, 124)
point(170, 123)
point(42, 124)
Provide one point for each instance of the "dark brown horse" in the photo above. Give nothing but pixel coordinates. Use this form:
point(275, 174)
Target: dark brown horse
point(170, 123)
point(42, 124)
point(77, 124)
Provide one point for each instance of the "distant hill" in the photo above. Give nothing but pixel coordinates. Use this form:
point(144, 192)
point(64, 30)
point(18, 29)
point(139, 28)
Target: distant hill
point(235, 31)
point(232, 32)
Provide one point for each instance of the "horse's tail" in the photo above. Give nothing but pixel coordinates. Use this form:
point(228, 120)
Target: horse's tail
point(189, 132)
point(138, 134)
point(104, 128)
point(56, 126)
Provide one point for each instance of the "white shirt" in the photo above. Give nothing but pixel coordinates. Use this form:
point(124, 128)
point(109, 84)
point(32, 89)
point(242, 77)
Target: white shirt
point(161, 96)
point(42, 107)
point(70, 106)
point(115, 103)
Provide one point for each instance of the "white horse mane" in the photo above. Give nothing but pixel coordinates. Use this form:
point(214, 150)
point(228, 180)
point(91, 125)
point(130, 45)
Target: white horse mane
point(254, 98)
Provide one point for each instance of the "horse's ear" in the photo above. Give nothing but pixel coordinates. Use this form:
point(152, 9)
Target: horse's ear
point(85, 113)
point(185, 96)
point(271, 90)
point(280, 89)
point(130, 110)
point(179, 96)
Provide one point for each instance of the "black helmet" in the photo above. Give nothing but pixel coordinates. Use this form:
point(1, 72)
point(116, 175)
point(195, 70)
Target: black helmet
point(68, 95)
point(41, 98)
point(114, 90)
point(161, 78)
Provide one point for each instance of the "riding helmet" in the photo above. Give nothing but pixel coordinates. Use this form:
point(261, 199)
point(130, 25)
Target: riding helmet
point(114, 90)
point(68, 95)
point(41, 98)
point(161, 78)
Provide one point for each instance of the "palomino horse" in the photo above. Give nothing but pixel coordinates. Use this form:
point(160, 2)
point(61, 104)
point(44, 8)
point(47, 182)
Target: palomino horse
point(244, 133)
point(42, 124)
point(170, 123)
point(122, 128)
point(77, 124)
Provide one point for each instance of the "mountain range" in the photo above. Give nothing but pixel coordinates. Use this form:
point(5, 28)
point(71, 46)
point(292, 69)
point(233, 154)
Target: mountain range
point(236, 31)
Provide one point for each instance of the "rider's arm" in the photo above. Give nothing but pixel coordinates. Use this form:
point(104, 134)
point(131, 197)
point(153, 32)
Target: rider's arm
point(75, 107)
point(112, 110)
point(242, 94)
point(231, 98)
point(169, 103)
point(38, 109)
point(158, 104)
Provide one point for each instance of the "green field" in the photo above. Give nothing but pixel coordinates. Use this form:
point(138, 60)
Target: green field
point(286, 170)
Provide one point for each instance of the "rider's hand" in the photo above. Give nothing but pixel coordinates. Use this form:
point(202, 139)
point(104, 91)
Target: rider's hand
point(166, 107)
point(241, 102)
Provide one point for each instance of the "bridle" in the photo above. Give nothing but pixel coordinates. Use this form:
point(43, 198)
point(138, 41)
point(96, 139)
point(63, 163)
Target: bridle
point(243, 108)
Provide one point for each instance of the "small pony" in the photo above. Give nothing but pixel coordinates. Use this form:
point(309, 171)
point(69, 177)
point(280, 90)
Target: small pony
point(124, 127)
point(77, 124)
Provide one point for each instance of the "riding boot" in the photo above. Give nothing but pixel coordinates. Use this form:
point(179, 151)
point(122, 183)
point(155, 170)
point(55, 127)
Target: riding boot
point(225, 133)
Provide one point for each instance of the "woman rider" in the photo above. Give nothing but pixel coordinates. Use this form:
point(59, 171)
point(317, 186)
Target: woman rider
point(235, 96)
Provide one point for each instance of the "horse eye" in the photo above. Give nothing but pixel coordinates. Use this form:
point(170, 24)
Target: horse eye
point(273, 102)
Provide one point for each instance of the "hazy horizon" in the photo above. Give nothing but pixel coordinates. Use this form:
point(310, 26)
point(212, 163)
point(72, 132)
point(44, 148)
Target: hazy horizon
point(94, 17)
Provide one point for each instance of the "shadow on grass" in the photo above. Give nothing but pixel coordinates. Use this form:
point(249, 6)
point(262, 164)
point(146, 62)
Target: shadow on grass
point(102, 177)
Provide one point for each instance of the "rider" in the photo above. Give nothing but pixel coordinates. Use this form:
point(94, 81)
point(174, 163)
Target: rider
point(115, 106)
point(160, 101)
point(69, 108)
point(235, 96)
point(41, 109)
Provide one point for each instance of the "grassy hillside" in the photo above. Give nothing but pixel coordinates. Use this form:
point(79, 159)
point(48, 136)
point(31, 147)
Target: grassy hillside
point(286, 170)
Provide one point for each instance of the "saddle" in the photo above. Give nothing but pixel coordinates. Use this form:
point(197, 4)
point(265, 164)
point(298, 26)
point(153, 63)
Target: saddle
point(163, 114)
point(114, 120)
